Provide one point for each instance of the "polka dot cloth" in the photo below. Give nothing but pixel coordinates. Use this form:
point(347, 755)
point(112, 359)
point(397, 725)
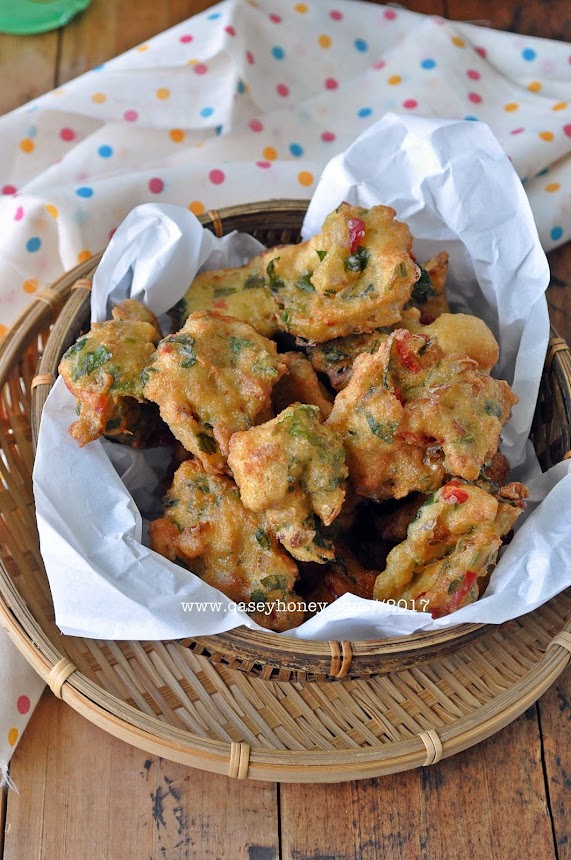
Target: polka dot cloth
point(252, 100)
point(21, 689)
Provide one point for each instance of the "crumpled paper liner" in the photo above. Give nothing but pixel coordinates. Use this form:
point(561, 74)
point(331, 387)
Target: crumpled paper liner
point(454, 186)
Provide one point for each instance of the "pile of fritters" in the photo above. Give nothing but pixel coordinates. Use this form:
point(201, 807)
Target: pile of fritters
point(335, 428)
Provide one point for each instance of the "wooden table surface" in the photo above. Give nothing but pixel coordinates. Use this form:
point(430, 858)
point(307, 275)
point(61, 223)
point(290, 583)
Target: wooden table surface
point(85, 795)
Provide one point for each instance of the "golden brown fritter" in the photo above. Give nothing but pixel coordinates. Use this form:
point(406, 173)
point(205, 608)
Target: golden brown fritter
point(211, 379)
point(457, 334)
point(411, 414)
point(300, 385)
point(354, 276)
point(207, 529)
point(429, 292)
point(368, 415)
point(449, 546)
point(293, 468)
point(131, 309)
point(336, 357)
point(242, 293)
point(495, 473)
point(104, 370)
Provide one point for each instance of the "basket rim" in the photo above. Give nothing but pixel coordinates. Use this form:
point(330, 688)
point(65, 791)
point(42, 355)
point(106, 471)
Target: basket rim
point(152, 735)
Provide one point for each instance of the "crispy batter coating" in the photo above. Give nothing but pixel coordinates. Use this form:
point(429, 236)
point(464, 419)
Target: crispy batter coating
point(355, 275)
point(131, 309)
point(301, 385)
point(457, 334)
point(211, 379)
point(429, 292)
point(449, 546)
point(411, 414)
point(336, 357)
point(495, 473)
point(104, 370)
point(242, 293)
point(293, 468)
point(368, 415)
point(206, 528)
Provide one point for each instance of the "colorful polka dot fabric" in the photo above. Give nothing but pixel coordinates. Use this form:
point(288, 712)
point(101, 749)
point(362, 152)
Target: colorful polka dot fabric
point(21, 688)
point(248, 101)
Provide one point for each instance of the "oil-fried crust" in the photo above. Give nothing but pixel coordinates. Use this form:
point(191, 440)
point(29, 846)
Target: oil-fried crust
point(301, 385)
point(450, 545)
point(211, 379)
point(131, 309)
point(429, 292)
point(293, 468)
point(457, 334)
point(104, 370)
point(206, 528)
point(355, 275)
point(410, 415)
point(242, 293)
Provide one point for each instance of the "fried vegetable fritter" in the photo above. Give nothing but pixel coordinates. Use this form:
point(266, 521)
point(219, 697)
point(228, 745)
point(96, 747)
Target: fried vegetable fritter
point(104, 371)
point(495, 473)
point(450, 545)
point(457, 334)
point(211, 379)
point(131, 309)
point(301, 385)
point(355, 275)
point(410, 415)
point(242, 293)
point(336, 357)
point(206, 528)
point(429, 292)
point(293, 468)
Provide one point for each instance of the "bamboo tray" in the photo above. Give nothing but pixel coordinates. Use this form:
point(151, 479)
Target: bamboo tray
point(186, 701)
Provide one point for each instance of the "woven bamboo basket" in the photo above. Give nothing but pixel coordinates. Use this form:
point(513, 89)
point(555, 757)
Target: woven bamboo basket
point(250, 705)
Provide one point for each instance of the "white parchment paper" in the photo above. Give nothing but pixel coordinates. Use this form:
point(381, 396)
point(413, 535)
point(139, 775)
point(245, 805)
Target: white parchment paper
point(454, 186)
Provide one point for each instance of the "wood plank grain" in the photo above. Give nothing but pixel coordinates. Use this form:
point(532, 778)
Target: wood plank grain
point(28, 66)
point(488, 802)
point(559, 292)
point(555, 718)
point(547, 18)
point(84, 794)
point(110, 27)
